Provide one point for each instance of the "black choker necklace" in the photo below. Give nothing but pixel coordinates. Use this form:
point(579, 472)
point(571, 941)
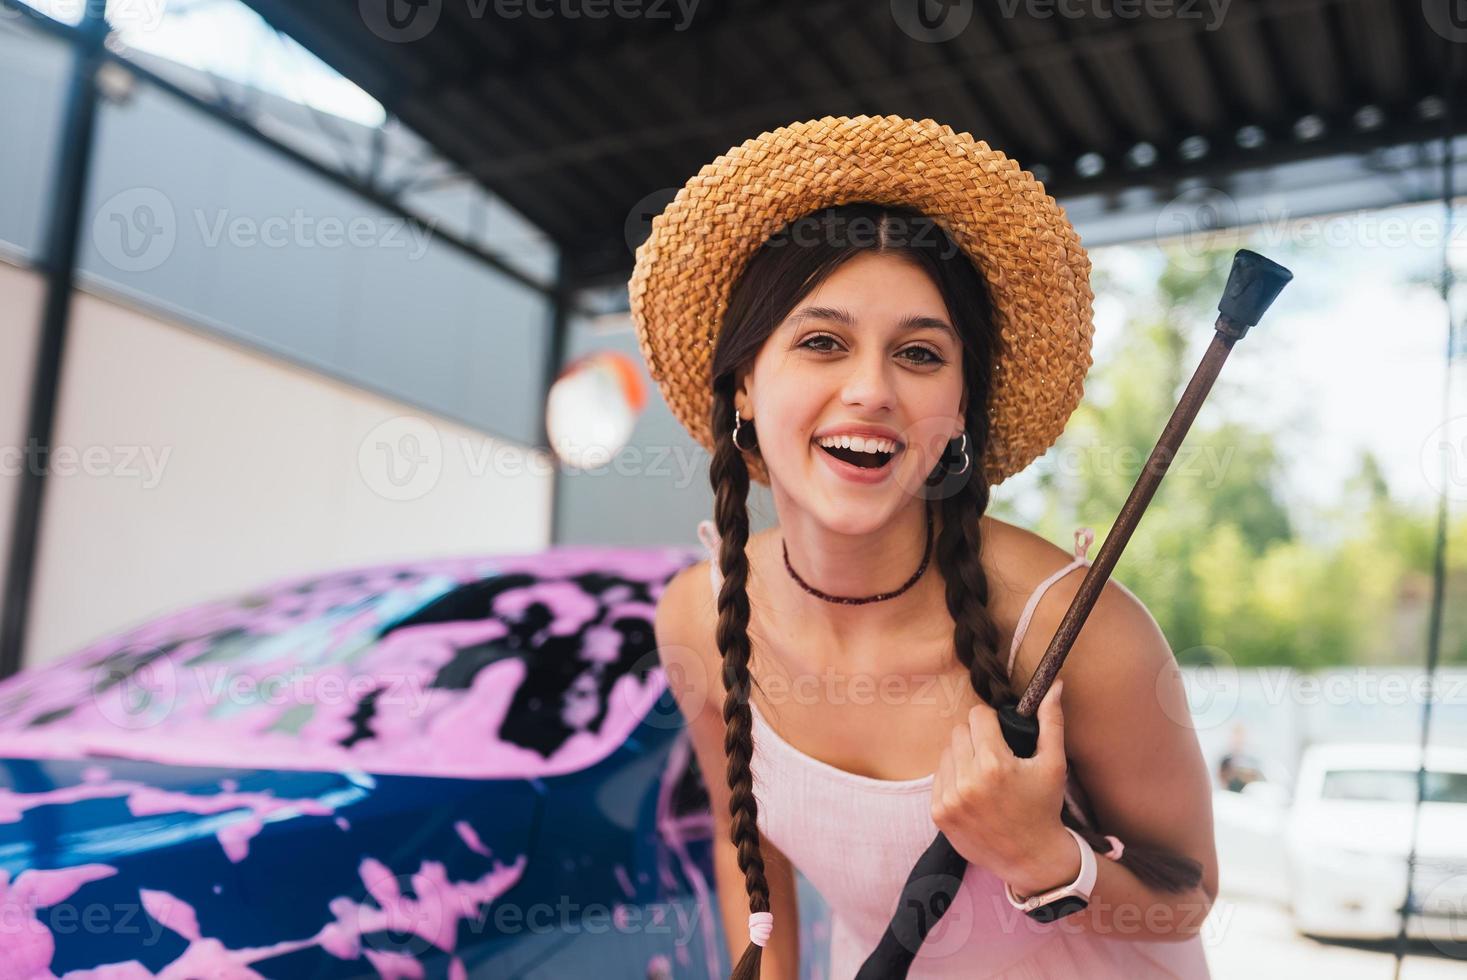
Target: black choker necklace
point(856, 601)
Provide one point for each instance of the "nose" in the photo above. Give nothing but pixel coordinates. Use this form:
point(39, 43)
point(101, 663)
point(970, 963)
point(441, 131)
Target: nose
point(869, 382)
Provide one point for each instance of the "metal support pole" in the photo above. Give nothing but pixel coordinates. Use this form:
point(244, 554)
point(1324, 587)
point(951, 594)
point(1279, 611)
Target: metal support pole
point(73, 167)
point(554, 354)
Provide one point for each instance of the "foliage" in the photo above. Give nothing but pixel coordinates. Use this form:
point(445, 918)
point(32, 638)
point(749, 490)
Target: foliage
point(1221, 557)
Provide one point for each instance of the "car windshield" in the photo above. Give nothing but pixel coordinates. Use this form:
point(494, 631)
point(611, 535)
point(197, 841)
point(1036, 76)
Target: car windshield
point(1396, 785)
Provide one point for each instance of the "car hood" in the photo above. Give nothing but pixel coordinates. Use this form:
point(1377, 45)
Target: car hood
point(1384, 828)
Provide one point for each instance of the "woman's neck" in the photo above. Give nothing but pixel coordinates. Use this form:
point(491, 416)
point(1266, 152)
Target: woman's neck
point(858, 565)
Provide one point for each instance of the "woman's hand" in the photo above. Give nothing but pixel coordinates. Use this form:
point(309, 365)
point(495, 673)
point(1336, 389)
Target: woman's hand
point(1002, 812)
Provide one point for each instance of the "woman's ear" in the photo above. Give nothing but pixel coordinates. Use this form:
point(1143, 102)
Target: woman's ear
point(744, 394)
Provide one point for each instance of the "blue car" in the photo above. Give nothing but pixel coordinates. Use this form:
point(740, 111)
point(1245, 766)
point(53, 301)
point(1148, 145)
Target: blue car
point(448, 768)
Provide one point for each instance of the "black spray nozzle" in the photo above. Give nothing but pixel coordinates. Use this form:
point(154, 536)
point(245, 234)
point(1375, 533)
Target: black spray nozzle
point(1253, 284)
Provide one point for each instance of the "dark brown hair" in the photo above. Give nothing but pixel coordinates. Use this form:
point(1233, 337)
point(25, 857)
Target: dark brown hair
point(786, 268)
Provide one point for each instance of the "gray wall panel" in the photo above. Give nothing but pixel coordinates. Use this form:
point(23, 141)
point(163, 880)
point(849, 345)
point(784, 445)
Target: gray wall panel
point(33, 71)
point(233, 235)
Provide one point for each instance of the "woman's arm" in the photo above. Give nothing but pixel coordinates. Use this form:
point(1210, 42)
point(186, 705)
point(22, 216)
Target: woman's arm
point(688, 652)
point(1130, 742)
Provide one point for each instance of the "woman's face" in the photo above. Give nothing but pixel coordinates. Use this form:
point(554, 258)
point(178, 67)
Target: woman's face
point(893, 366)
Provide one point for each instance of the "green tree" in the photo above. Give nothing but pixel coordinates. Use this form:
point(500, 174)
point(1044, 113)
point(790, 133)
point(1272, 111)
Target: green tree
point(1217, 557)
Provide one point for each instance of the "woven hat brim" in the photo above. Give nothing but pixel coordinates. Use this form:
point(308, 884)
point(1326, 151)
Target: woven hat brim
point(1019, 237)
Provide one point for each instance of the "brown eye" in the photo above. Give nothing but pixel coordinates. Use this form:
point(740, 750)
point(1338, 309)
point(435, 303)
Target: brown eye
point(932, 357)
point(823, 350)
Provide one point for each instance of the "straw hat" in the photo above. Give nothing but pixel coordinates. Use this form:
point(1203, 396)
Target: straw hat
point(1020, 239)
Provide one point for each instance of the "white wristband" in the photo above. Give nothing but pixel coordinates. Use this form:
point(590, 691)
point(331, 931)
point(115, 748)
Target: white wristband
point(1081, 886)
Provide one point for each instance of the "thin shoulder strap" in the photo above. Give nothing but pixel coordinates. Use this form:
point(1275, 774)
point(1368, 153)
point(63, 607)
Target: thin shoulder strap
point(1084, 537)
point(708, 534)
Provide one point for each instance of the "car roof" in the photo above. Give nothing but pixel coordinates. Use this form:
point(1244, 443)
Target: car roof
point(1384, 755)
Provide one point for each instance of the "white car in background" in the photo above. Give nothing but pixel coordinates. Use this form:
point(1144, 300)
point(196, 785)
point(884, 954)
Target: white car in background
point(1349, 833)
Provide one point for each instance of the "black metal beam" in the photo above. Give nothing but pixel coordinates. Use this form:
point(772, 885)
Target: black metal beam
point(530, 61)
point(68, 191)
point(1290, 97)
point(1343, 67)
point(554, 355)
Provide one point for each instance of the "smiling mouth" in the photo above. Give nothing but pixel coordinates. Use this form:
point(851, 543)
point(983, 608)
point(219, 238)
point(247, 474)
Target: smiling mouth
point(870, 461)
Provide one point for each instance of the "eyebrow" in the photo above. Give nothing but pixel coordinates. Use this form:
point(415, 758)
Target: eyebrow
point(912, 321)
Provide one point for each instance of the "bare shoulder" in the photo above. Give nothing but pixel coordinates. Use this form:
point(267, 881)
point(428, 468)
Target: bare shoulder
point(686, 609)
point(686, 647)
point(1021, 561)
point(1016, 559)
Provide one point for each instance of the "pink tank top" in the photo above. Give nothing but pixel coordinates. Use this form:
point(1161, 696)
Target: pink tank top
point(819, 816)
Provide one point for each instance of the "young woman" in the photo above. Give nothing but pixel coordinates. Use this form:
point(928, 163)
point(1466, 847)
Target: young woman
point(879, 366)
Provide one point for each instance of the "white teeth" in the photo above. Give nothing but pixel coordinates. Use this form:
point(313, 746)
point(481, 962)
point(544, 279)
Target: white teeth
point(859, 444)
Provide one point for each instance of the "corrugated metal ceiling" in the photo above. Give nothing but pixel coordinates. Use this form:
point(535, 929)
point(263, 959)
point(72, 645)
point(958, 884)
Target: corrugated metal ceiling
point(587, 125)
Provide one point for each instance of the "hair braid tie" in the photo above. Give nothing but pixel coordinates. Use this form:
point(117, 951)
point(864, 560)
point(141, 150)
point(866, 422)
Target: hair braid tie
point(761, 924)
